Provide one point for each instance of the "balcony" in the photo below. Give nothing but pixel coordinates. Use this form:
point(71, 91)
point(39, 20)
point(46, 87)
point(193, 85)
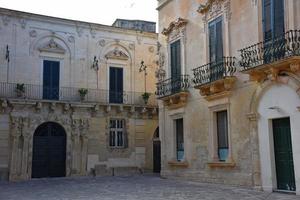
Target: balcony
point(173, 91)
point(215, 79)
point(69, 94)
point(269, 58)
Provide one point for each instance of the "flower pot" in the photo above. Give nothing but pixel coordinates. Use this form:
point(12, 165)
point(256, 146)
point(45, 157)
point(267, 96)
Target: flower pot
point(20, 94)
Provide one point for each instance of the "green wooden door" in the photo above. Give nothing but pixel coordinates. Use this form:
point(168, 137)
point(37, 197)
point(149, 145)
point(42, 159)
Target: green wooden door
point(283, 154)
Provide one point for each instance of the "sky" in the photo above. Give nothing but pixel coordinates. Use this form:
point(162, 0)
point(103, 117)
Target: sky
point(96, 11)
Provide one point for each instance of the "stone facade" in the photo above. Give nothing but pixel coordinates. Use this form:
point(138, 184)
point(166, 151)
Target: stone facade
point(249, 96)
point(85, 53)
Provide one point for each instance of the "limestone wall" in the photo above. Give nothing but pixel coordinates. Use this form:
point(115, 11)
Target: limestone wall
point(25, 34)
point(241, 28)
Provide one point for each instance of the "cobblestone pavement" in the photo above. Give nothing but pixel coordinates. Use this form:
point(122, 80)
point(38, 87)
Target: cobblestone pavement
point(128, 188)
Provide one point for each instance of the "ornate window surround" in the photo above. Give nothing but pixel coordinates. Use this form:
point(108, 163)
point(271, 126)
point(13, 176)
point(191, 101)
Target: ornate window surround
point(174, 32)
point(212, 10)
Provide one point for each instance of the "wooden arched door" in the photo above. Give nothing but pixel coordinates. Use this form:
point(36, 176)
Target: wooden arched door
point(49, 151)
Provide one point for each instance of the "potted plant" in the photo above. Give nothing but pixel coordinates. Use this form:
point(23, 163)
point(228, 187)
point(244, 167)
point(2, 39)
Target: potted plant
point(20, 89)
point(82, 93)
point(145, 97)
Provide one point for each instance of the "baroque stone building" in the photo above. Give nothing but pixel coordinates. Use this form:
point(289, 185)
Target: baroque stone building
point(228, 91)
point(73, 98)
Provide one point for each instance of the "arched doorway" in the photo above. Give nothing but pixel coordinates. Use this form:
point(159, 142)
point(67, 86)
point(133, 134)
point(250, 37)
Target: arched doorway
point(49, 151)
point(278, 127)
point(156, 152)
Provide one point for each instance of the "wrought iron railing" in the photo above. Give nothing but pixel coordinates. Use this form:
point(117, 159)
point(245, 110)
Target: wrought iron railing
point(214, 71)
point(281, 47)
point(70, 94)
point(172, 86)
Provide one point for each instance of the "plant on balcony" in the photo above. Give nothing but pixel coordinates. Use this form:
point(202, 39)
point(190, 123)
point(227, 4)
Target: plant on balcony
point(20, 89)
point(82, 93)
point(145, 97)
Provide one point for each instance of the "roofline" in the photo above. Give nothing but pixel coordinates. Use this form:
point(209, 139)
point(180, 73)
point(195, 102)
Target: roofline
point(134, 20)
point(71, 22)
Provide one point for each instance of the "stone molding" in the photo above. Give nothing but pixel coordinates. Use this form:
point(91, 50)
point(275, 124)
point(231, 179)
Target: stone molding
point(52, 47)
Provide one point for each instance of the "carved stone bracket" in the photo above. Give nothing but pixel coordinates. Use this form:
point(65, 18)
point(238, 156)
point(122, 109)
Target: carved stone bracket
point(217, 89)
point(177, 100)
point(273, 70)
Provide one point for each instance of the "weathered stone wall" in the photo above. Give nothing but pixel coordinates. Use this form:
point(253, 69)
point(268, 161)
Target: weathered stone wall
point(33, 38)
point(241, 28)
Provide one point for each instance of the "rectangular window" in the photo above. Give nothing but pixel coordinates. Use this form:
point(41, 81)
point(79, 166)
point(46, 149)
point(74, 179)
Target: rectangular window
point(215, 40)
point(117, 133)
point(175, 59)
point(273, 18)
point(179, 139)
point(222, 133)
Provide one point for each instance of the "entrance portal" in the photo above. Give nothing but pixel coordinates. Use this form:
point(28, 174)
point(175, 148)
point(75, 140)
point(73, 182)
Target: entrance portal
point(49, 151)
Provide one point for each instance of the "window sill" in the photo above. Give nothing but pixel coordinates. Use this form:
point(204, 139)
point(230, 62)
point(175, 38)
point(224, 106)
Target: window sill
point(219, 164)
point(182, 164)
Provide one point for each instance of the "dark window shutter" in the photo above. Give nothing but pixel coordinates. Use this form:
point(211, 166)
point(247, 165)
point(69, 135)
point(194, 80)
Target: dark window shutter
point(278, 17)
point(212, 43)
point(219, 41)
point(175, 59)
point(215, 40)
point(267, 19)
point(273, 18)
point(222, 129)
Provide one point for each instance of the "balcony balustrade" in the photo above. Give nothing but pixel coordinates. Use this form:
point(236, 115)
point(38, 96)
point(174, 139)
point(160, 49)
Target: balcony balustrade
point(216, 77)
point(69, 94)
point(173, 91)
point(272, 56)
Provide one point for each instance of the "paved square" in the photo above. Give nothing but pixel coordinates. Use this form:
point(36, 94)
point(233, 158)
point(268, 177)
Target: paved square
point(128, 188)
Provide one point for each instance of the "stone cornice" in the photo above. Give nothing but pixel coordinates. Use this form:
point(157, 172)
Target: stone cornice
point(73, 23)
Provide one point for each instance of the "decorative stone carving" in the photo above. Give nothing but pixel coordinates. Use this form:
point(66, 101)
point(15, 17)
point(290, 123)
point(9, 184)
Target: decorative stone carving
point(151, 49)
point(131, 46)
point(210, 6)
point(5, 20)
point(71, 39)
point(53, 47)
point(23, 23)
point(4, 105)
point(33, 33)
point(160, 74)
point(66, 107)
point(93, 32)
point(214, 8)
point(102, 43)
point(179, 22)
point(116, 54)
point(79, 30)
point(175, 101)
point(52, 106)
point(117, 41)
point(132, 110)
point(38, 106)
